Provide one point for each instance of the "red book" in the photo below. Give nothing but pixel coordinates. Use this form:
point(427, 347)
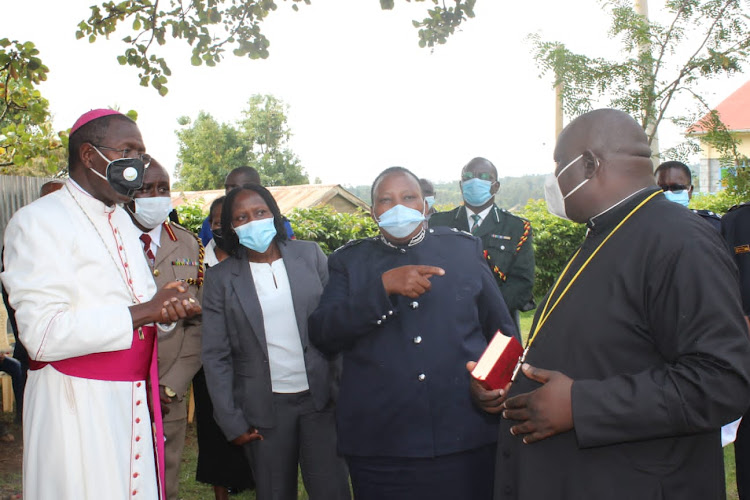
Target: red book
point(495, 368)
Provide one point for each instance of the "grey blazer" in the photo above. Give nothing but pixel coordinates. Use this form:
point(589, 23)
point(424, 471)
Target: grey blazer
point(234, 352)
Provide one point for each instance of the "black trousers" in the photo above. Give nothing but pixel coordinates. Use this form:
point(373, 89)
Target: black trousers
point(466, 475)
point(301, 436)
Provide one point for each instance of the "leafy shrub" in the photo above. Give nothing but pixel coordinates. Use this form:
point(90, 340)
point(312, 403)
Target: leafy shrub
point(718, 203)
point(191, 215)
point(331, 229)
point(555, 240)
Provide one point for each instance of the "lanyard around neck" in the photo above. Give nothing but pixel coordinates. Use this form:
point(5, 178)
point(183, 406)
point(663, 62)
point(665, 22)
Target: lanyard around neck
point(545, 314)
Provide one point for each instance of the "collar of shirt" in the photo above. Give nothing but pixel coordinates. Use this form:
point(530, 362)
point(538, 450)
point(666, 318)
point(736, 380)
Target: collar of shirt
point(87, 200)
point(614, 214)
point(209, 257)
point(482, 215)
point(155, 234)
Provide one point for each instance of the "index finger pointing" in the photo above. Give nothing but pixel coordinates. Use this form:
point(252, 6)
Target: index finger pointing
point(430, 271)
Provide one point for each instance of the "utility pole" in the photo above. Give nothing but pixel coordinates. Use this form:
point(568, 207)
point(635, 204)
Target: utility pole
point(558, 106)
point(641, 8)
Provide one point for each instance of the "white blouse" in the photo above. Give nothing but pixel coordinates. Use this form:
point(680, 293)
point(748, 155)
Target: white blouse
point(285, 356)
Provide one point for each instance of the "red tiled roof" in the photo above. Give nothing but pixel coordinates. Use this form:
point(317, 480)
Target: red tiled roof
point(734, 111)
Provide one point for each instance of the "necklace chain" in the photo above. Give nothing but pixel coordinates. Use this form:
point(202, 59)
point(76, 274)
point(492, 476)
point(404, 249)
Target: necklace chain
point(106, 247)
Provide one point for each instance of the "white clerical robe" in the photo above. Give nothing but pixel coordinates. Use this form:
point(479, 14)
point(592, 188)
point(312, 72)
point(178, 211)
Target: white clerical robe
point(83, 438)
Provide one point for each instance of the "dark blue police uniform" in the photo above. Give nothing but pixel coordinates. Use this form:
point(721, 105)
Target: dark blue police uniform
point(405, 388)
point(735, 228)
point(712, 218)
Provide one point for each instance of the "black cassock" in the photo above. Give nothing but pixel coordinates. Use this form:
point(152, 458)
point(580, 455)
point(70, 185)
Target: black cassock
point(653, 335)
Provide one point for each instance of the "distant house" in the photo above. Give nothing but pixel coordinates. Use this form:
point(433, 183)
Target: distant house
point(288, 197)
point(734, 112)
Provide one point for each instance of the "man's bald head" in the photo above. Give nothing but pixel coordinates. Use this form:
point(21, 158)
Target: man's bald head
point(614, 157)
point(50, 187)
point(241, 176)
point(155, 172)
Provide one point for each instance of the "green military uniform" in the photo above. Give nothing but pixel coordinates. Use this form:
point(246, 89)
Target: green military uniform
point(179, 257)
point(506, 240)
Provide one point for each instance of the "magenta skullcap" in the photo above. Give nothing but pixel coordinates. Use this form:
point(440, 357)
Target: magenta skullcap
point(91, 116)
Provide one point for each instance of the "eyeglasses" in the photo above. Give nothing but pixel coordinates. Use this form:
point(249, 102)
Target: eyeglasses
point(145, 158)
point(674, 187)
point(485, 176)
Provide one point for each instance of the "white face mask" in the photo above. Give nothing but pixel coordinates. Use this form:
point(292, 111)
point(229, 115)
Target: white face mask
point(553, 194)
point(150, 212)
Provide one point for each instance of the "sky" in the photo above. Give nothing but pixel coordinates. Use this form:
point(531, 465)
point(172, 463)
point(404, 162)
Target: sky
point(362, 95)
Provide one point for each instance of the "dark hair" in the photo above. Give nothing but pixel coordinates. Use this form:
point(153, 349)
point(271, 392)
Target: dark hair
point(218, 201)
point(93, 132)
point(231, 242)
point(388, 171)
point(674, 164)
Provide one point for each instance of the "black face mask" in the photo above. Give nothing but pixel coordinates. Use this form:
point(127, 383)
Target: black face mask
point(125, 175)
point(218, 238)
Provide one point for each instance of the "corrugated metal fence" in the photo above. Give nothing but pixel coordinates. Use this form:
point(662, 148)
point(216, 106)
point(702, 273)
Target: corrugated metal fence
point(16, 192)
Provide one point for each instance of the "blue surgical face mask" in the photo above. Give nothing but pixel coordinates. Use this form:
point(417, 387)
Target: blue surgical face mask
point(682, 197)
point(476, 191)
point(256, 235)
point(430, 201)
point(400, 221)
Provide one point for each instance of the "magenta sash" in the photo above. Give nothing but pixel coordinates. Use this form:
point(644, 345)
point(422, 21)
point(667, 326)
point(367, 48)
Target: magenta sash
point(129, 365)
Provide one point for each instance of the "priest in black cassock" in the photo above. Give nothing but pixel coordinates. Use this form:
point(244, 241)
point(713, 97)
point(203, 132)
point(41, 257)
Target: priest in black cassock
point(639, 353)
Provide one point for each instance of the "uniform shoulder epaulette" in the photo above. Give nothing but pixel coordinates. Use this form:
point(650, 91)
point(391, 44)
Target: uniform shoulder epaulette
point(515, 216)
point(353, 243)
point(172, 226)
point(739, 205)
point(707, 213)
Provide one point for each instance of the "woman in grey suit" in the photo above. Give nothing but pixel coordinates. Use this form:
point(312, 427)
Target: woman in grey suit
point(272, 390)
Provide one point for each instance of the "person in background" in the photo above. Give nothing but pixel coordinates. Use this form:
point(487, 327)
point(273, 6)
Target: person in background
point(220, 463)
point(675, 178)
point(272, 390)
point(86, 305)
point(236, 178)
point(19, 351)
point(735, 228)
point(428, 191)
point(506, 238)
point(173, 254)
point(407, 314)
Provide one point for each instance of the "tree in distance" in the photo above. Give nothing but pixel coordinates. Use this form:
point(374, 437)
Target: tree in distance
point(209, 150)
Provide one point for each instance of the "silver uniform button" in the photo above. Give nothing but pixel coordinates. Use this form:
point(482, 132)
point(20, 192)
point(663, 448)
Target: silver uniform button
point(379, 322)
point(421, 377)
point(418, 339)
point(414, 304)
point(432, 230)
point(383, 317)
point(403, 250)
point(390, 313)
point(502, 247)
